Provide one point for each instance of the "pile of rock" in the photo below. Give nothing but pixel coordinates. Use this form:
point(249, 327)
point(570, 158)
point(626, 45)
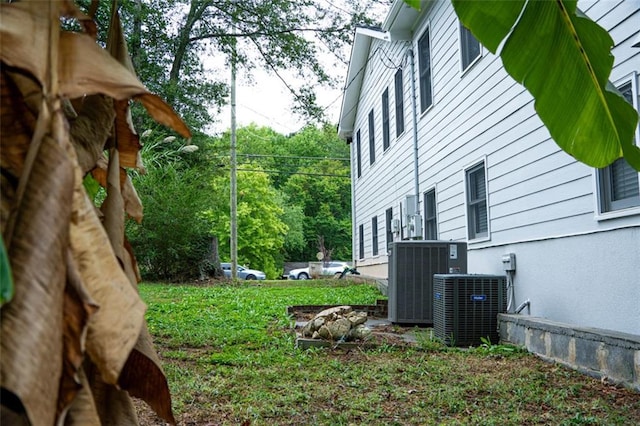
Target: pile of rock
point(341, 323)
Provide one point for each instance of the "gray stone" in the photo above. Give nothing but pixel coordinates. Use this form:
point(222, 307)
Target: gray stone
point(338, 310)
point(335, 330)
point(357, 318)
point(359, 332)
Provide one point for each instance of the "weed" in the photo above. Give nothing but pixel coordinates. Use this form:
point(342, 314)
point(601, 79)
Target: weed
point(427, 342)
point(229, 355)
point(488, 348)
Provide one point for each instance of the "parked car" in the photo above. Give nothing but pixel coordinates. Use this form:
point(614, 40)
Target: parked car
point(333, 268)
point(243, 273)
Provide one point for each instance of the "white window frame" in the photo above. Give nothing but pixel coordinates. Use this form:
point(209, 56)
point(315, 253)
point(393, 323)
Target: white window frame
point(399, 94)
point(371, 125)
point(435, 201)
point(599, 191)
point(464, 70)
point(375, 237)
point(358, 155)
point(427, 27)
point(482, 238)
point(361, 254)
point(386, 120)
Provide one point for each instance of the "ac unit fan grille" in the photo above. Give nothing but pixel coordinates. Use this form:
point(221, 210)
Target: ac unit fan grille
point(466, 307)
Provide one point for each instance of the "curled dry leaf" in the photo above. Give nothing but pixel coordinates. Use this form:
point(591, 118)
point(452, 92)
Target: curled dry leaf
point(132, 203)
point(91, 128)
point(82, 411)
point(142, 377)
point(111, 334)
point(78, 307)
point(114, 406)
point(17, 123)
point(32, 323)
point(84, 68)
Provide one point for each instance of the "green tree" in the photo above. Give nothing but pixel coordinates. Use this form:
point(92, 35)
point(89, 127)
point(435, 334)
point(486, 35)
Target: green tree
point(174, 238)
point(261, 229)
point(181, 48)
point(324, 192)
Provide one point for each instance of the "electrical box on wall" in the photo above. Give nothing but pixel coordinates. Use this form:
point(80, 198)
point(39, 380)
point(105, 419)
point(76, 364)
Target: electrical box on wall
point(509, 262)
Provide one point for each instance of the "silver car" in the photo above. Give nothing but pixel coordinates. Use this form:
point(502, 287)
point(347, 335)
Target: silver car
point(333, 269)
point(243, 273)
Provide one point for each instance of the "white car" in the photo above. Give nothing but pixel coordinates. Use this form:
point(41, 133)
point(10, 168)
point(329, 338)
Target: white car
point(333, 269)
point(243, 273)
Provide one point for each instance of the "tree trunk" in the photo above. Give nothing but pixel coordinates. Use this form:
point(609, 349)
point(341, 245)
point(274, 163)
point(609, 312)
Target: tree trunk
point(136, 36)
point(184, 37)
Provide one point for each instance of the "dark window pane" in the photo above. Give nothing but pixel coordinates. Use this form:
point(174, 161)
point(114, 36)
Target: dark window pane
point(470, 47)
point(425, 71)
point(372, 140)
point(399, 103)
point(385, 119)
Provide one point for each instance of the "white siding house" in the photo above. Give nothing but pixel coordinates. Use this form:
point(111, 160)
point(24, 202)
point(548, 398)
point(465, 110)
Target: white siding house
point(428, 112)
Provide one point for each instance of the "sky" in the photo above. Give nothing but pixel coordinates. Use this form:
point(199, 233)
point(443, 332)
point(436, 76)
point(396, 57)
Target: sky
point(266, 101)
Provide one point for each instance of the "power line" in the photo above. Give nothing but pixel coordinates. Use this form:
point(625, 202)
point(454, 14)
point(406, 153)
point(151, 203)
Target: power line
point(295, 157)
point(292, 157)
point(281, 172)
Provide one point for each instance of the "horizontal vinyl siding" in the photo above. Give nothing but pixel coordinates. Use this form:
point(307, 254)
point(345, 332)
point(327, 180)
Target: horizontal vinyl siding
point(383, 184)
point(535, 189)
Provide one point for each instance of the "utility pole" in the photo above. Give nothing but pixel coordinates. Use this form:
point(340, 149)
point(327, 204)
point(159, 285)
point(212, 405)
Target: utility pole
point(234, 172)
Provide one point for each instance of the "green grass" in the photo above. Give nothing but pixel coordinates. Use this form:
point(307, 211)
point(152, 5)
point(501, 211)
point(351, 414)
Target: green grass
point(229, 355)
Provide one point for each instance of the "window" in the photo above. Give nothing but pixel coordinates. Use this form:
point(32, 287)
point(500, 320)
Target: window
point(389, 225)
point(399, 86)
point(358, 154)
point(374, 235)
point(477, 202)
point(618, 182)
point(425, 71)
point(361, 241)
point(372, 140)
point(469, 47)
point(430, 220)
point(385, 119)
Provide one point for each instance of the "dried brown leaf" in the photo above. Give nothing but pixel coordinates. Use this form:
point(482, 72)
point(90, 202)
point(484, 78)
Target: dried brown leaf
point(113, 206)
point(32, 322)
point(82, 411)
point(89, 69)
point(25, 37)
point(91, 128)
point(142, 377)
point(127, 140)
point(17, 123)
point(77, 309)
point(114, 329)
point(132, 203)
point(114, 406)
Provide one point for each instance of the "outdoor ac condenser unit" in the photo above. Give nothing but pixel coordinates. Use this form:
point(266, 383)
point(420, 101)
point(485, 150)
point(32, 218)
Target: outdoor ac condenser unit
point(412, 265)
point(466, 308)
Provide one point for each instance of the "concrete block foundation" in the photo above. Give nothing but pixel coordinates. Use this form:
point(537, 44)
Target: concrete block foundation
point(600, 353)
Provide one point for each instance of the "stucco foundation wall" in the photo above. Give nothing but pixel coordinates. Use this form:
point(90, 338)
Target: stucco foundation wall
point(600, 353)
point(592, 280)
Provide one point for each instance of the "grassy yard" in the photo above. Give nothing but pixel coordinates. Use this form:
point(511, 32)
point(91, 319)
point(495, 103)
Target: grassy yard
point(229, 355)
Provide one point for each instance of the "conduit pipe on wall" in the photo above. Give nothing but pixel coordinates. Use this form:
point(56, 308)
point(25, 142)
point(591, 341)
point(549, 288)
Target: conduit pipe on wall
point(525, 304)
point(415, 130)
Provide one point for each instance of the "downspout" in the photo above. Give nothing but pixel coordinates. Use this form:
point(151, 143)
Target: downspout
point(415, 131)
point(354, 226)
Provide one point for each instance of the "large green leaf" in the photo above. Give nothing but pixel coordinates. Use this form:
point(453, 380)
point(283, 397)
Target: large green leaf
point(564, 59)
